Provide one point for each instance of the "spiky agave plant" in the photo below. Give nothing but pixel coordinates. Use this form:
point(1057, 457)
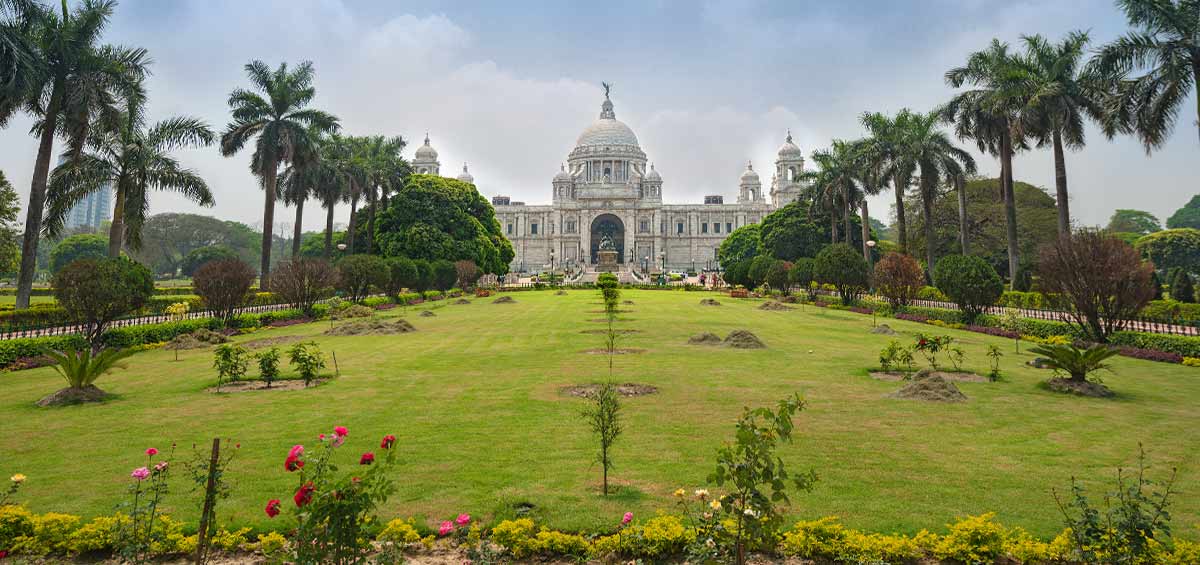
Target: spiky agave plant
point(81, 368)
point(1075, 361)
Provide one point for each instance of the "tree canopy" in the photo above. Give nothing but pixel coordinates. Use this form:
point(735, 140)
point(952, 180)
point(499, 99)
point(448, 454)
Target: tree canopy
point(71, 249)
point(1133, 221)
point(1186, 217)
point(740, 245)
point(436, 218)
point(168, 238)
point(789, 233)
point(1170, 249)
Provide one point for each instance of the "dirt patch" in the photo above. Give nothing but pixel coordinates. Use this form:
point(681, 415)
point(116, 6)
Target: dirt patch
point(774, 306)
point(627, 389)
point(504, 300)
point(742, 339)
point(602, 332)
point(931, 388)
point(789, 299)
point(626, 302)
point(709, 302)
point(952, 376)
point(1079, 388)
point(71, 395)
point(883, 329)
point(617, 351)
point(372, 327)
point(1039, 363)
point(251, 386)
point(617, 311)
point(270, 341)
point(605, 320)
point(560, 293)
point(427, 314)
point(202, 337)
point(462, 301)
point(706, 338)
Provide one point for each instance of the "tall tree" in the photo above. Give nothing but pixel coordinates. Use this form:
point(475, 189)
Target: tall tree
point(884, 134)
point(133, 160)
point(17, 52)
point(832, 185)
point(299, 181)
point(330, 188)
point(1055, 93)
point(870, 164)
point(1165, 44)
point(281, 124)
point(68, 84)
point(383, 168)
point(925, 149)
point(987, 114)
point(1133, 221)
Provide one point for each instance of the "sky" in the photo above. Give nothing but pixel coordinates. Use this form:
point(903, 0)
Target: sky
point(706, 86)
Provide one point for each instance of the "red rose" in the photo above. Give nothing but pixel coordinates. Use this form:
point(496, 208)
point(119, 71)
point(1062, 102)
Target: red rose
point(304, 495)
point(273, 508)
point(293, 463)
point(367, 458)
point(388, 441)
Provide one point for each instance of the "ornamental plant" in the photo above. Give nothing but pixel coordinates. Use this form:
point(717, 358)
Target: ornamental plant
point(15, 483)
point(604, 416)
point(207, 470)
point(843, 267)
point(268, 365)
point(756, 478)
point(931, 345)
point(969, 281)
point(308, 360)
point(994, 354)
point(96, 292)
point(137, 537)
point(899, 277)
point(224, 286)
point(230, 361)
point(332, 510)
point(1103, 281)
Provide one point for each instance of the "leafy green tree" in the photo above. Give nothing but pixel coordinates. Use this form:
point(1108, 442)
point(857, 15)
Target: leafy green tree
point(10, 245)
point(132, 160)
point(403, 274)
point(312, 244)
point(789, 233)
point(604, 416)
point(759, 266)
point(1186, 217)
point(95, 292)
point(1133, 221)
point(1170, 249)
point(167, 239)
point(424, 280)
point(741, 244)
point(359, 274)
point(739, 273)
point(970, 282)
point(843, 267)
point(68, 83)
point(201, 255)
point(1182, 289)
point(1166, 46)
point(82, 246)
point(777, 275)
point(281, 125)
point(802, 274)
point(438, 218)
point(444, 274)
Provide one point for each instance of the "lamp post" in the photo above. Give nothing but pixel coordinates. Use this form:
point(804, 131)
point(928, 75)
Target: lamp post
point(551, 267)
point(662, 275)
point(871, 268)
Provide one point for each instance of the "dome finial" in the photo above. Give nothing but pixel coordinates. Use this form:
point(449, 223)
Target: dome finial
point(789, 135)
point(606, 109)
point(426, 137)
point(749, 166)
point(464, 166)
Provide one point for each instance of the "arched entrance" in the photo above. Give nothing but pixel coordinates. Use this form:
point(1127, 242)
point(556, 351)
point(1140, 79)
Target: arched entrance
point(611, 226)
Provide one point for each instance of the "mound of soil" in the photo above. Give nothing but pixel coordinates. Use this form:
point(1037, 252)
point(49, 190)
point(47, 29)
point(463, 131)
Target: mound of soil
point(354, 311)
point(71, 395)
point(709, 302)
point(202, 337)
point(560, 293)
point(462, 301)
point(627, 389)
point(883, 329)
point(952, 376)
point(742, 339)
point(706, 338)
point(427, 314)
point(617, 351)
point(1079, 388)
point(504, 300)
point(602, 332)
point(270, 341)
point(251, 386)
point(1038, 363)
point(933, 388)
point(372, 327)
point(774, 306)
point(626, 302)
point(789, 299)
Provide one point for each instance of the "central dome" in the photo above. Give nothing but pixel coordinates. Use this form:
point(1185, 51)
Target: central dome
point(607, 131)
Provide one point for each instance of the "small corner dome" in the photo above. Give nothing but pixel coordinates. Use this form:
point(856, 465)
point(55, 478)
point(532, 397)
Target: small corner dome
point(789, 149)
point(749, 175)
point(653, 174)
point(466, 176)
point(563, 175)
point(426, 152)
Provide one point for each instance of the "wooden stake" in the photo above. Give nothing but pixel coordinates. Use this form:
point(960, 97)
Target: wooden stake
point(210, 499)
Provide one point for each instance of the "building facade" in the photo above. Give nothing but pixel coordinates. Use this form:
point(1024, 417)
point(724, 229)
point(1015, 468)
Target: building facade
point(92, 210)
point(608, 188)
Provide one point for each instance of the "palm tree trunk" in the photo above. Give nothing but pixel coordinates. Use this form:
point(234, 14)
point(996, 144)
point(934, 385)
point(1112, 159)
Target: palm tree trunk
point(901, 223)
point(37, 198)
point(350, 229)
point(847, 212)
point(866, 230)
point(1060, 184)
point(960, 186)
point(329, 229)
point(371, 221)
point(832, 226)
point(270, 178)
point(297, 231)
point(1010, 208)
point(116, 232)
point(927, 193)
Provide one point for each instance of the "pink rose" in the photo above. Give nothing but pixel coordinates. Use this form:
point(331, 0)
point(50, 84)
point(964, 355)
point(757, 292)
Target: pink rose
point(160, 467)
point(296, 451)
point(463, 519)
point(151, 452)
point(341, 431)
point(445, 528)
point(140, 473)
point(627, 518)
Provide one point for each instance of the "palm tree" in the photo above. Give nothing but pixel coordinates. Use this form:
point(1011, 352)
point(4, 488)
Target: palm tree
point(299, 181)
point(884, 139)
point(380, 156)
point(329, 187)
point(832, 184)
point(987, 114)
point(1055, 94)
point(870, 161)
point(923, 147)
point(1166, 45)
point(17, 59)
point(281, 124)
point(133, 160)
point(68, 83)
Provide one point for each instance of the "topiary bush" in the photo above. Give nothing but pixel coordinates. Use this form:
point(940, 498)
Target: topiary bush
point(844, 268)
point(359, 274)
point(899, 278)
point(970, 282)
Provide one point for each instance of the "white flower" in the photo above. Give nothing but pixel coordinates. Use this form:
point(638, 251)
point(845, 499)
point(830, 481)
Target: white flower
point(750, 512)
point(710, 543)
point(702, 494)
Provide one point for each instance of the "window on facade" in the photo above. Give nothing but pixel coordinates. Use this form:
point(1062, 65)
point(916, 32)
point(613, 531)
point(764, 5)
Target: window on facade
point(728, 227)
point(533, 229)
point(571, 226)
point(679, 227)
point(704, 227)
point(509, 229)
point(663, 227)
point(645, 226)
point(717, 227)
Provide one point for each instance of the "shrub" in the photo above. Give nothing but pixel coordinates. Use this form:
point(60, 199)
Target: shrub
point(304, 282)
point(898, 278)
point(777, 275)
point(759, 266)
point(400, 531)
point(1103, 280)
point(268, 365)
point(827, 539)
point(844, 268)
point(230, 361)
point(1074, 361)
point(308, 360)
point(76, 247)
point(931, 293)
point(975, 539)
point(425, 279)
point(444, 274)
point(970, 282)
point(81, 368)
point(95, 292)
point(1180, 345)
point(199, 256)
point(1181, 289)
point(466, 273)
point(359, 274)
point(402, 274)
point(224, 286)
point(801, 275)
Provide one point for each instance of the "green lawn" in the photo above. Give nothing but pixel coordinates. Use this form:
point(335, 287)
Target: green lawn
point(473, 397)
point(10, 300)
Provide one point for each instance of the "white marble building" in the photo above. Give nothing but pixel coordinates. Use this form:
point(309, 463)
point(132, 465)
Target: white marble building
point(607, 187)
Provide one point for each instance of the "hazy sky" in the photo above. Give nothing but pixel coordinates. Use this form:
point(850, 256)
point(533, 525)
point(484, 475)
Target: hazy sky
point(508, 86)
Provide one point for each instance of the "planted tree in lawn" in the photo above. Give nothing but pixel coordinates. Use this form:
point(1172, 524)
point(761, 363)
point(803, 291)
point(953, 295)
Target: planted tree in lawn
point(1103, 280)
point(970, 282)
point(403, 274)
point(467, 272)
point(96, 292)
point(308, 360)
point(231, 361)
point(899, 278)
point(843, 267)
point(607, 283)
point(801, 275)
point(604, 415)
point(268, 365)
point(444, 274)
point(304, 282)
point(360, 274)
point(224, 286)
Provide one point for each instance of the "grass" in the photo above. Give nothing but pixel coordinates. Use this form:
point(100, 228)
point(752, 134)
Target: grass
point(11, 300)
point(473, 397)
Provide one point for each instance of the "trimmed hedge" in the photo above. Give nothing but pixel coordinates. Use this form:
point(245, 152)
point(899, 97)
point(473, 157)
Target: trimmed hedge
point(13, 349)
point(1184, 346)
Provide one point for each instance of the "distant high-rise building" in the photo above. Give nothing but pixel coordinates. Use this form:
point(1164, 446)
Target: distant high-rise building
point(92, 211)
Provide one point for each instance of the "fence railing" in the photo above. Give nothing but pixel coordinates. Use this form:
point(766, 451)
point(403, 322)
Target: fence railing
point(16, 331)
